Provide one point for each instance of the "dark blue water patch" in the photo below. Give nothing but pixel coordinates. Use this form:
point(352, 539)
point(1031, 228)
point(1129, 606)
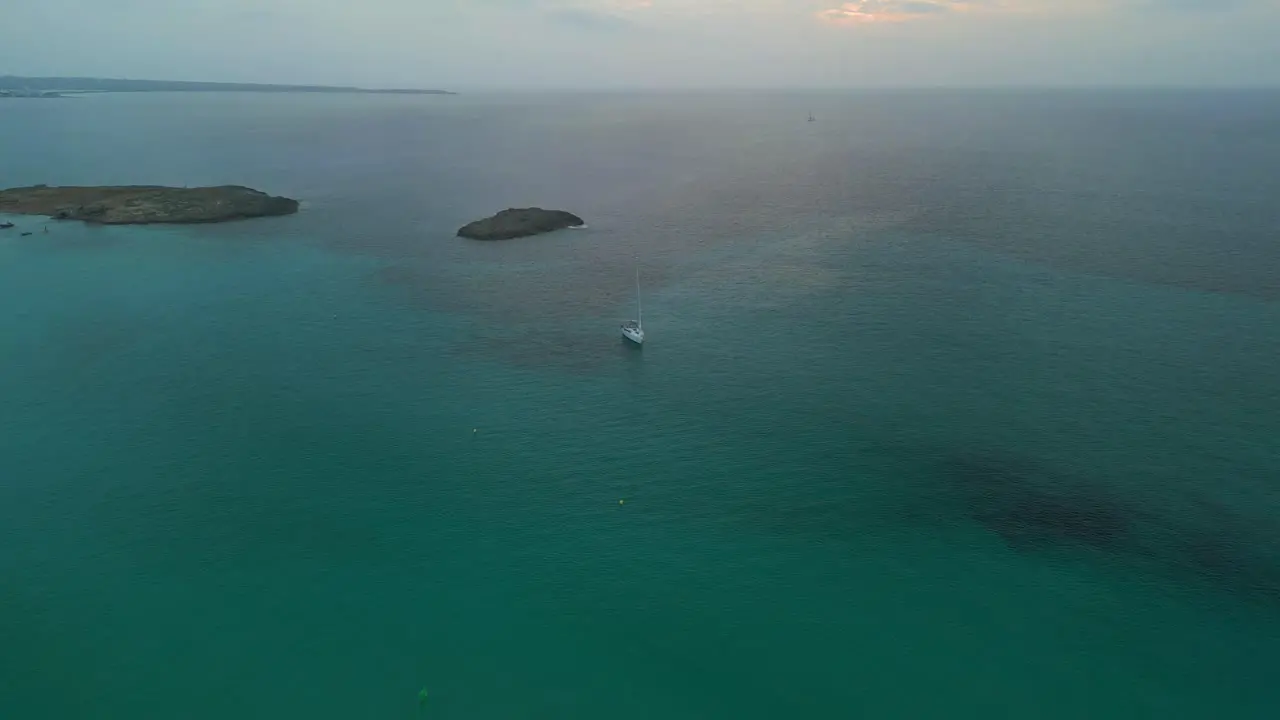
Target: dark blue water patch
point(1035, 508)
point(1243, 563)
point(1030, 506)
point(1207, 541)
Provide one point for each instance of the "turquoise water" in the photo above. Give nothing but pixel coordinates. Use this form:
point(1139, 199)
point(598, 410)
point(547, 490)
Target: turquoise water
point(952, 406)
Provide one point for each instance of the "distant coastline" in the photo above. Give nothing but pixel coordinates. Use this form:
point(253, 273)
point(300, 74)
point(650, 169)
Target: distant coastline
point(17, 86)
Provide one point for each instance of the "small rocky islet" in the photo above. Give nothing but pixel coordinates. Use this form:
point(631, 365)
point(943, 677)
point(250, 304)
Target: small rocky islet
point(519, 222)
point(144, 204)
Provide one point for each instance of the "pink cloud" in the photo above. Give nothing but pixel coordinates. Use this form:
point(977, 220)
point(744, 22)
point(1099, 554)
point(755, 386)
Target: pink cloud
point(863, 12)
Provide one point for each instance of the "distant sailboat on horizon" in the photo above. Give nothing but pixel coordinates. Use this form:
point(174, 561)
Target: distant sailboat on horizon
point(811, 117)
point(633, 330)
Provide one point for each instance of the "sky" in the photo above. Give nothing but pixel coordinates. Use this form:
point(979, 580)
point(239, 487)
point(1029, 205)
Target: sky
point(553, 44)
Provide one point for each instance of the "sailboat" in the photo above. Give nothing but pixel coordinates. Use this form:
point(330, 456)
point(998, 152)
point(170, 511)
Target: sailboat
point(633, 330)
point(811, 117)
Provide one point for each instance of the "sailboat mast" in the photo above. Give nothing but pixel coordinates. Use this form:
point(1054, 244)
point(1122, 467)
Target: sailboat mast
point(639, 306)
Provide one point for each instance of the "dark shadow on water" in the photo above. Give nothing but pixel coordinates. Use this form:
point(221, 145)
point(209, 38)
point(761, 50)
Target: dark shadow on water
point(1035, 508)
point(1228, 559)
point(1031, 507)
point(545, 348)
point(530, 350)
point(630, 350)
point(631, 359)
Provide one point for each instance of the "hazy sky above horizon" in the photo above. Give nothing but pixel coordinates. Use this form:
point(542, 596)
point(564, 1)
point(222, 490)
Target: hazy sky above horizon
point(463, 44)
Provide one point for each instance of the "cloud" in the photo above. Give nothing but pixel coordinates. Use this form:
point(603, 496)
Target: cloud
point(653, 43)
point(863, 12)
point(1202, 6)
point(1197, 5)
point(588, 20)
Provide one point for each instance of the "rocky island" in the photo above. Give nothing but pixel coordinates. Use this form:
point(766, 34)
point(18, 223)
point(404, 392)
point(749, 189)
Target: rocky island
point(519, 222)
point(144, 204)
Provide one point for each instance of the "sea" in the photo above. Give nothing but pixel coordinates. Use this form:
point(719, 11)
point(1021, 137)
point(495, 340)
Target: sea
point(954, 404)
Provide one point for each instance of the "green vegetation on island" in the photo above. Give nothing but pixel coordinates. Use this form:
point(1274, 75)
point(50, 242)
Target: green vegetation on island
point(144, 204)
point(519, 222)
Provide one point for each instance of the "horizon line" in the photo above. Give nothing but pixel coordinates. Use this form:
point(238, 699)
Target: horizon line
point(649, 87)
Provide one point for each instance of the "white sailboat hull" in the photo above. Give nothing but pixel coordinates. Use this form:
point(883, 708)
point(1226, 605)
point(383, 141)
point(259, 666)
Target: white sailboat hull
point(635, 335)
